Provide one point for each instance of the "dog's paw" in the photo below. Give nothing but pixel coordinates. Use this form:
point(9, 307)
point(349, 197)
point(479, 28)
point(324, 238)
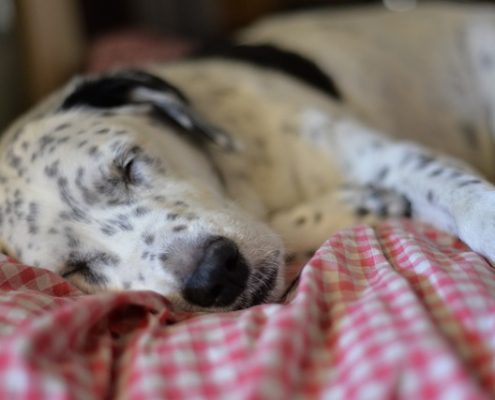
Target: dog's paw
point(380, 202)
point(475, 224)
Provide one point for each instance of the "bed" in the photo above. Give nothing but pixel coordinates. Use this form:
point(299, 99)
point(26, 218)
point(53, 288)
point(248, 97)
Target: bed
point(400, 310)
point(396, 311)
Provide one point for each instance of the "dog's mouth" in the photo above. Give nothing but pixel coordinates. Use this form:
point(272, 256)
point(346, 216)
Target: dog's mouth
point(262, 285)
point(81, 275)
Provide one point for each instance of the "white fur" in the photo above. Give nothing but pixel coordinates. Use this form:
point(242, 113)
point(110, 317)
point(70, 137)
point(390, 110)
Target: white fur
point(295, 149)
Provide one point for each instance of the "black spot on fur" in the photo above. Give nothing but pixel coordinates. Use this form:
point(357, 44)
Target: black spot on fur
point(76, 212)
point(62, 140)
point(407, 158)
point(72, 241)
point(89, 196)
point(300, 221)
point(140, 211)
point(179, 228)
point(172, 216)
point(362, 212)
point(149, 239)
point(87, 265)
point(32, 218)
point(124, 222)
point(436, 172)
point(51, 170)
point(456, 174)
point(382, 211)
point(430, 196)
point(382, 174)
point(163, 257)
point(469, 182)
point(93, 151)
point(14, 161)
point(121, 222)
point(424, 161)
point(45, 141)
point(61, 127)
point(408, 209)
point(191, 216)
point(108, 230)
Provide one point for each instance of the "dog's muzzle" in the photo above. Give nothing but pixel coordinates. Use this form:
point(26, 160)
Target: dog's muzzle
point(220, 276)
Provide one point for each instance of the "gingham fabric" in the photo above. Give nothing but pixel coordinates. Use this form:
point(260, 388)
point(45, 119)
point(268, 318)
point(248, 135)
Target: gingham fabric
point(396, 311)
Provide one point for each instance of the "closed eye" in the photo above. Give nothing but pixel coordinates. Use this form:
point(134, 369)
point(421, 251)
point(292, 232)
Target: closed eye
point(129, 171)
point(128, 167)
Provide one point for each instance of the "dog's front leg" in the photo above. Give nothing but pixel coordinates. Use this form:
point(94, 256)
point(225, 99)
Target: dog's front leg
point(441, 190)
point(305, 227)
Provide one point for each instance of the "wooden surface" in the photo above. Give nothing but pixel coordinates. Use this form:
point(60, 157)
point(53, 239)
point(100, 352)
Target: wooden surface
point(52, 43)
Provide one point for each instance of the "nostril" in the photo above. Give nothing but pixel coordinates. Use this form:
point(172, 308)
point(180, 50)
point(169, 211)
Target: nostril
point(223, 251)
point(219, 277)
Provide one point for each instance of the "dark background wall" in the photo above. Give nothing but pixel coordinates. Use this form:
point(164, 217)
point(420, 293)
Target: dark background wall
point(44, 42)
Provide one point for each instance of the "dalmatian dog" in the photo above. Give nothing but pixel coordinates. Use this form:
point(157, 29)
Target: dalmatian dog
point(199, 179)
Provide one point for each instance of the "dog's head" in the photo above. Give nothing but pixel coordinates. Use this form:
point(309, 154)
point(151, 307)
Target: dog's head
point(115, 190)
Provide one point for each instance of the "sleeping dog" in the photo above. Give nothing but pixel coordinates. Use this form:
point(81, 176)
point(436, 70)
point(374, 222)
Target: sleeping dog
point(198, 179)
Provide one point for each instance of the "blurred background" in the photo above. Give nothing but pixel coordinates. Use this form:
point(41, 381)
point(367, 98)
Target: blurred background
point(44, 42)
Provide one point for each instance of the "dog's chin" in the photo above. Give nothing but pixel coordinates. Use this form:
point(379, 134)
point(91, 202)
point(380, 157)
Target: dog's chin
point(269, 290)
point(249, 298)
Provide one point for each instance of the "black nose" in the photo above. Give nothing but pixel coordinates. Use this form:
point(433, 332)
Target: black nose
point(220, 276)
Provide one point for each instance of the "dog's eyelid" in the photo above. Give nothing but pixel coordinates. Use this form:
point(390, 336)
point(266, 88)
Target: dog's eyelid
point(133, 151)
point(128, 169)
point(126, 154)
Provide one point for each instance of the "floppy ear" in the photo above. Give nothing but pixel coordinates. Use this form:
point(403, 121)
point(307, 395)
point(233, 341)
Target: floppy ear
point(137, 87)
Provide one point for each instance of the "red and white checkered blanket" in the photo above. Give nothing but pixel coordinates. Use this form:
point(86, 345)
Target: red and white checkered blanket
point(398, 311)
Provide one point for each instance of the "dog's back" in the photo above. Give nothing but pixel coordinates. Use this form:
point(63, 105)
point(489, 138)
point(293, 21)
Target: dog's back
point(426, 75)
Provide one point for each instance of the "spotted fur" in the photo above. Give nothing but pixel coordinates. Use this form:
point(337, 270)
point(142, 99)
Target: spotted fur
point(129, 180)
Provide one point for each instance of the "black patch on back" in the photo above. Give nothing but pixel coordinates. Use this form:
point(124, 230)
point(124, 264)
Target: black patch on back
point(273, 57)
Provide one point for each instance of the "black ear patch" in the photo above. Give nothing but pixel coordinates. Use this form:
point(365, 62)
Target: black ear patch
point(137, 87)
point(115, 90)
